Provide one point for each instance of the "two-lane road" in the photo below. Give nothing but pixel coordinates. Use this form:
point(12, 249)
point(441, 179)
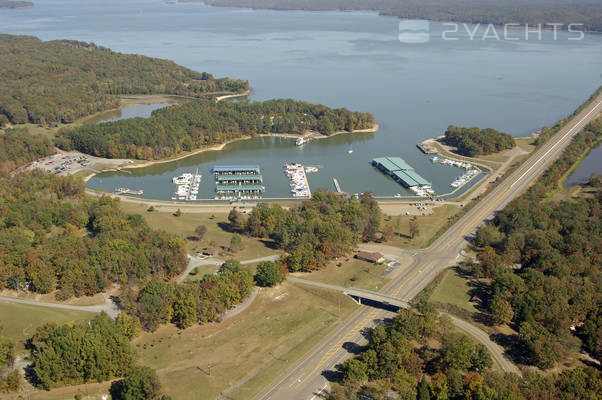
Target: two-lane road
point(304, 380)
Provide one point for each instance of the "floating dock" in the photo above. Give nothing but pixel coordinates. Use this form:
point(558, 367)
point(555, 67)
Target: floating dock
point(239, 189)
point(239, 179)
point(236, 170)
point(243, 181)
point(401, 171)
point(129, 191)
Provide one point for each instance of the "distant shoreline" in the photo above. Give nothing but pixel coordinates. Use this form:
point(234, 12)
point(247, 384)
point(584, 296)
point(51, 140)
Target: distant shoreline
point(15, 5)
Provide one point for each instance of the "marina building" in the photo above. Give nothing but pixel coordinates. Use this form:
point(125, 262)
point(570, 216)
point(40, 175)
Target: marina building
point(403, 173)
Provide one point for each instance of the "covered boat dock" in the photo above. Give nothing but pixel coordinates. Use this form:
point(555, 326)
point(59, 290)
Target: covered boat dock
point(400, 170)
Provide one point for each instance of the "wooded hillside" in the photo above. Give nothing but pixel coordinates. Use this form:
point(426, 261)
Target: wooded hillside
point(62, 80)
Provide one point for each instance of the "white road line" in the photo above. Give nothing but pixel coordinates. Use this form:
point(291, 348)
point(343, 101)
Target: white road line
point(556, 144)
point(321, 390)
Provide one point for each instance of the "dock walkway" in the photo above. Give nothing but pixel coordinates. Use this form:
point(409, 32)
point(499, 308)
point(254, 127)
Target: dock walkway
point(336, 185)
point(306, 182)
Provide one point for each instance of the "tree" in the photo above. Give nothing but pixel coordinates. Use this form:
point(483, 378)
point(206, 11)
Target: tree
point(439, 387)
point(236, 220)
point(141, 383)
point(235, 243)
point(268, 274)
point(354, 371)
point(7, 351)
point(500, 310)
point(231, 266)
point(424, 392)
point(414, 228)
point(457, 351)
point(200, 231)
point(185, 308)
point(481, 359)
point(178, 213)
point(130, 325)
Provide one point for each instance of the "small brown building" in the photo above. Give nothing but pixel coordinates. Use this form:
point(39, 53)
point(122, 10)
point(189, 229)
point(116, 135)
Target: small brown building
point(209, 252)
point(370, 257)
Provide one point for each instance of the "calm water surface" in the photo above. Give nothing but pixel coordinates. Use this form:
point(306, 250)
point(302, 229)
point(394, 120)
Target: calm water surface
point(352, 60)
point(591, 164)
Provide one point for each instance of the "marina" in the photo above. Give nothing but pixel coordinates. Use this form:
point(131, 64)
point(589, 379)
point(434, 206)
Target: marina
point(408, 111)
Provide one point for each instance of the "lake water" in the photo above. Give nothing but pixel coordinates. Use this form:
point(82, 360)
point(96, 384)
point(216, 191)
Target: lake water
point(140, 110)
point(352, 60)
point(590, 164)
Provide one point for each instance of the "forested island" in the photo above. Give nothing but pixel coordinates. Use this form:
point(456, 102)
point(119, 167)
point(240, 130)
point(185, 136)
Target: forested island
point(521, 12)
point(60, 81)
point(185, 127)
point(471, 142)
point(15, 4)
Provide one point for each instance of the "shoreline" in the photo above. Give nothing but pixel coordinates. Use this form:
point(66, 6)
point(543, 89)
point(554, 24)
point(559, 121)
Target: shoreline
point(219, 147)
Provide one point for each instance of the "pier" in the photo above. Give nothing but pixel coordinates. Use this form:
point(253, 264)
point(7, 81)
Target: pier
point(426, 150)
point(336, 185)
point(129, 191)
point(306, 182)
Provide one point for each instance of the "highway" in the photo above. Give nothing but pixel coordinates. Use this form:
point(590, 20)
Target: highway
point(304, 379)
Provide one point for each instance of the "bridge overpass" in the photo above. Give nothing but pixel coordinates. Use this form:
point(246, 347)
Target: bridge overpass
point(357, 294)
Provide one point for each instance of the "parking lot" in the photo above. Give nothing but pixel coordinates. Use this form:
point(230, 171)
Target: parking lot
point(60, 164)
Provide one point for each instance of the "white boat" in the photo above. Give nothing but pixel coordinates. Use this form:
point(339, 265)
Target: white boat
point(301, 141)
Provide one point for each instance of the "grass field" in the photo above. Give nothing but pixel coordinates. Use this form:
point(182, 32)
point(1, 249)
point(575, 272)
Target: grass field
point(19, 321)
point(247, 350)
point(216, 237)
point(356, 273)
point(453, 289)
point(428, 225)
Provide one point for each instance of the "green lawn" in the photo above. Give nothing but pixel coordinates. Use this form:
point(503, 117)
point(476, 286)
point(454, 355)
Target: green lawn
point(453, 289)
point(217, 236)
point(19, 321)
point(354, 272)
point(428, 226)
point(247, 350)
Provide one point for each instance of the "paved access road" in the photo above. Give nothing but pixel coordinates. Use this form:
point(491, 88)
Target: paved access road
point(304, 380)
